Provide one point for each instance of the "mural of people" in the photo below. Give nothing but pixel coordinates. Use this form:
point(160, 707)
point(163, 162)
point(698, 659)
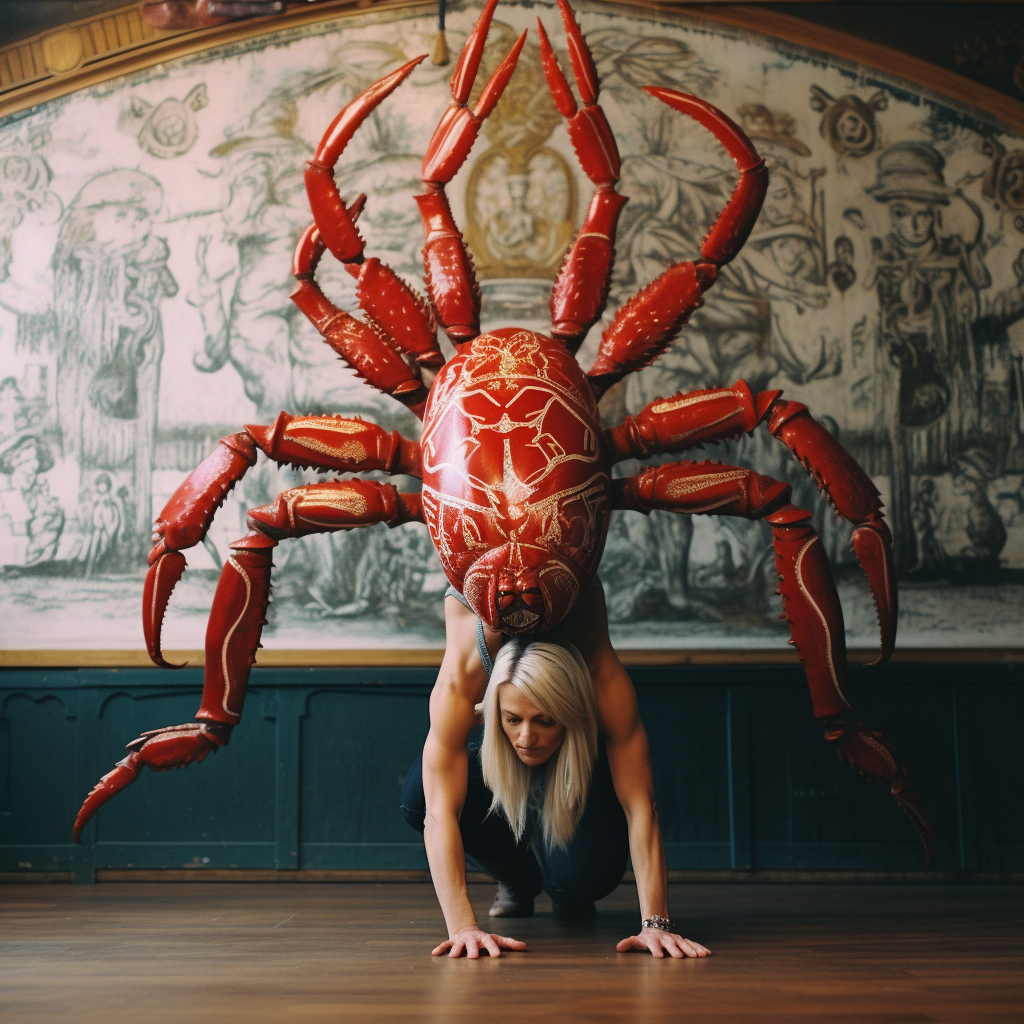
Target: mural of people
point(111, 275)
point(34, 517)
point(941, 330)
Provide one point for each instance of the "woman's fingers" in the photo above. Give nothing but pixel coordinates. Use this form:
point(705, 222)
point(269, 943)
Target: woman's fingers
point(659, 943)
point(472, 944)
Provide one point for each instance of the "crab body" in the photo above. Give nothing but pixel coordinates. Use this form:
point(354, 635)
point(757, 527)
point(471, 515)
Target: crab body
point(516, 467)
point(516, 478)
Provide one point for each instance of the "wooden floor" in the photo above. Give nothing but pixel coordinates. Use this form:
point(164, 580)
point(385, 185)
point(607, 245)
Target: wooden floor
point(249, 953)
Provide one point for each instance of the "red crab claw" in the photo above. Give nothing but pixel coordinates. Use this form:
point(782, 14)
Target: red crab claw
point(871, 754)
point(159, 749)
point(735, 222)
point(183, 523)
point(457, 130)
point(588, 128)
point(336, 220)
point(852, 494)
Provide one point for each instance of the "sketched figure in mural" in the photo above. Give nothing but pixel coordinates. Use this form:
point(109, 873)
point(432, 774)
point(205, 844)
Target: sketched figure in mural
point(932, 562)
point(28, 209)
point(103, 527)
point(986, 533)
point(947, 339)
point(111, 275)
point(35, 519)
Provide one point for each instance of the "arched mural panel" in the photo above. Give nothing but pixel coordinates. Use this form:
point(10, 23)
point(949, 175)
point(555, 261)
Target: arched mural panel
point(146, 227)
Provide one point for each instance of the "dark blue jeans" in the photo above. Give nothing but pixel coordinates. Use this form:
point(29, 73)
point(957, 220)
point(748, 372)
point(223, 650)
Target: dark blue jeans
point(590, 867)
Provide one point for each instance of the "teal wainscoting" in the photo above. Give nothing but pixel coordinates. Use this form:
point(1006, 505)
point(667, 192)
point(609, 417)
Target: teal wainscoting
point(312, 776)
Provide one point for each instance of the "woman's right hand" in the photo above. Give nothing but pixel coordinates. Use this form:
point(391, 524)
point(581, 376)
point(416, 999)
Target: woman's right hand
point(472, 941)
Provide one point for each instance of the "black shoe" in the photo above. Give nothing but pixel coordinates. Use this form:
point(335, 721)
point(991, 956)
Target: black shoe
point(508, 903)
point(576, 912)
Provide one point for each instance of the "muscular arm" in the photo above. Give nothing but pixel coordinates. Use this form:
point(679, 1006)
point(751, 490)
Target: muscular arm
point(460, 685)
point(630, 764)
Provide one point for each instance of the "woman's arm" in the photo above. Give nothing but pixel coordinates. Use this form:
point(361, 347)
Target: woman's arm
point(630, 764)
point(459, 686)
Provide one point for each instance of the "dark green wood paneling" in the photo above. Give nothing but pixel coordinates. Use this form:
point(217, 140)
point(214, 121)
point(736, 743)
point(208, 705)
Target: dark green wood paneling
point(312, 777)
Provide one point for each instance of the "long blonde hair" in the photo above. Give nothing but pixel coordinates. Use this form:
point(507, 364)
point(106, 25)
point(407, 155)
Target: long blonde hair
point(554, 677)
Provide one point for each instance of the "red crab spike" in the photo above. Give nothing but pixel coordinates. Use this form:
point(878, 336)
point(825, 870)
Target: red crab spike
point(469, 60)
point(355, 208)
point(308, 253)
point(557, 84)
point(850, 491)
point(736, 221)
point(579, 53)
point(161, 580)
point(124, 773)
point(329, 209)
point(811, 606)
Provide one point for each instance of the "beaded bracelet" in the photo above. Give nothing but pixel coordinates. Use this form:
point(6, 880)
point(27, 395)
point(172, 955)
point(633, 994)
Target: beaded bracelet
point(662, 924)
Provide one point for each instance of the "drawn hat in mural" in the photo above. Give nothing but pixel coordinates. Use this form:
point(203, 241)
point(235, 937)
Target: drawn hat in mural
point(122, 188)
point(976, 465)
point(766, 125)
point(22, 447)
point(911, 170)
point(794, 229)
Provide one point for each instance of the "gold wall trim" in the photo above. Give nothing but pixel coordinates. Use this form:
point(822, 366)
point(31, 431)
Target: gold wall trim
point(431, 657)
point(84, 53)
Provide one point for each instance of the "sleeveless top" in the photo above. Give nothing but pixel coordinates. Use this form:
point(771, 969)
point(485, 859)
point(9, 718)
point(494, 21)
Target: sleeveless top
point(563, 631)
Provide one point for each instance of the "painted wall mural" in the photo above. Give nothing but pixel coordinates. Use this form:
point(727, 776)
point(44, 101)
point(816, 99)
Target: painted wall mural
point(146, 230)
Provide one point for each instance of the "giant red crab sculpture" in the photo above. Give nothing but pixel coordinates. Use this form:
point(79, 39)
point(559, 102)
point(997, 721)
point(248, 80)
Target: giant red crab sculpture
point(516, 467)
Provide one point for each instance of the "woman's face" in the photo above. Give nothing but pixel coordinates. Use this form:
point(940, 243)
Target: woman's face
point(534, 735)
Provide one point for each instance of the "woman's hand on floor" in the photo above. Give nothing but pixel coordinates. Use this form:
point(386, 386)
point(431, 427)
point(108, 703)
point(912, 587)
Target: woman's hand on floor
point(472, 942)
point(660, 942)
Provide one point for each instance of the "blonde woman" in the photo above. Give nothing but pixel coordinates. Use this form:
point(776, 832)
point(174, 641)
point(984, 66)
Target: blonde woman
point(555, 795)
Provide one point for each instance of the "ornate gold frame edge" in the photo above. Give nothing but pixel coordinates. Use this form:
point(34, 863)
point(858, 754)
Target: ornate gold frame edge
point(131, 45)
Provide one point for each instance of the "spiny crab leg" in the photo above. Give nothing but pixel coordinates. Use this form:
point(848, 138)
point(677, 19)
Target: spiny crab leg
point(183, 523)
point(719, 414)
point(734, 224)
point(851, 493)
point(386, 299)
point(649, 321)
point(364, 346)
point(337, 443)
point(334, 219)
point(581, 289)
point(448, 267)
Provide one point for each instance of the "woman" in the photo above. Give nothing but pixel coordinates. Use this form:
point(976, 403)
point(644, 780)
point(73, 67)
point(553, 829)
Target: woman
point(542, 710)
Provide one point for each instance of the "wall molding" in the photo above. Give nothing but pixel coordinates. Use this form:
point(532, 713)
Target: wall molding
point(115, 43)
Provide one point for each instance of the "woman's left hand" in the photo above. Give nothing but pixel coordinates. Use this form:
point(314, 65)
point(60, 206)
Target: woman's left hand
point(660, 942)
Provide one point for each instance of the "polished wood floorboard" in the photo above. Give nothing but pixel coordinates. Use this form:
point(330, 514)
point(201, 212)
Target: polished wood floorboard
point(250, 953)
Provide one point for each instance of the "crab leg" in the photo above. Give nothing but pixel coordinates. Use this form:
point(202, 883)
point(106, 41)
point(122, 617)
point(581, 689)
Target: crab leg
point(365, 347)
point(581, 289)
point(645, 326)
point(385, 297)
point(238, 616)
point(314, 442)
point(718, 414)
point(809, 599)
point(450, 277)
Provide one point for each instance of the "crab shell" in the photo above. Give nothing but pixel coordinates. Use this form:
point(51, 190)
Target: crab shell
point(516, 481)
